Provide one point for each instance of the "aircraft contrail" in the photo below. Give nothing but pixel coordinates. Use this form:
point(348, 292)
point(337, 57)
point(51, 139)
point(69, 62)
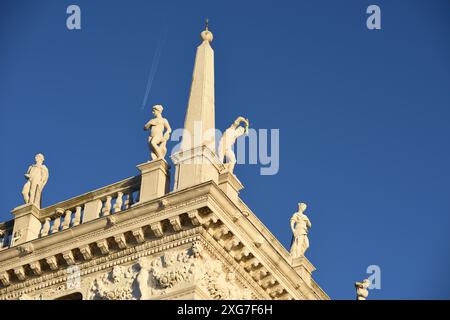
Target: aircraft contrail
point(155, 64)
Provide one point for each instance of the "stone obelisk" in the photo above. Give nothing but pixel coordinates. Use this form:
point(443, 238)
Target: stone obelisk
point(196, 162)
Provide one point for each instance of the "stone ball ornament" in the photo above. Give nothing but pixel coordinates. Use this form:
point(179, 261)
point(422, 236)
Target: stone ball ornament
point(207, 35)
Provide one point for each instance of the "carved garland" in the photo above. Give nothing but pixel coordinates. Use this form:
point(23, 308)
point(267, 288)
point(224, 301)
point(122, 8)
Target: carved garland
point(153, 277)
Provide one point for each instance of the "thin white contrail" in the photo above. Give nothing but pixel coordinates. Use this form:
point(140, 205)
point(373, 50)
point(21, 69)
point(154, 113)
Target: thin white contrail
point(155, 64)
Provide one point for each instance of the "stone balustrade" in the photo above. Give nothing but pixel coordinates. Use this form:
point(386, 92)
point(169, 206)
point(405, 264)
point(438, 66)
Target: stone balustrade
point(99, 203)
point(31, 222)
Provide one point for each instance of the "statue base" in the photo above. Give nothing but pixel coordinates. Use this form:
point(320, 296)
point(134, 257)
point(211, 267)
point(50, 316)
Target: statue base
point(155, 179)
point(195, 166)
point(304, 268)
point(26, 224)
point(230, 184)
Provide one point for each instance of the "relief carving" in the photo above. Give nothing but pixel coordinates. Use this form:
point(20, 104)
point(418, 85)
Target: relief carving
point(152, 277)
point(222, 285)
point(114, 285)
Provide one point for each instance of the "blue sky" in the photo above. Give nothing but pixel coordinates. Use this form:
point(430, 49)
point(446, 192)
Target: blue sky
point(363, 116)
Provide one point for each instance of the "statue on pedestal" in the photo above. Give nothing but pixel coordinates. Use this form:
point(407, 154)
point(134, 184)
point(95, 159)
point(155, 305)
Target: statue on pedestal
point(37, 176)
point(227, 141)
point(361, 289)
point(157, 139)
point(300, 225)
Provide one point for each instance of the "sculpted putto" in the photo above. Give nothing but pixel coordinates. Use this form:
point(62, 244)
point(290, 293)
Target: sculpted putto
point(37, 177)
point(300, 225)
point(157, 139)
point(229, 137)
point(361, 289)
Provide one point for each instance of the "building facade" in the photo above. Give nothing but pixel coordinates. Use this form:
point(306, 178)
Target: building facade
point(137, 239)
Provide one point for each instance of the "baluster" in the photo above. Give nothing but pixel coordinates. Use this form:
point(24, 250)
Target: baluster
point(106, 211)
point(57, 221)
point(128, 200)
point(138, 196)
point(77, 218)
point(126, 203)
point(56, 224)
point(119, 202)
point(45, 227)
point(8, 239)
point(66, 222)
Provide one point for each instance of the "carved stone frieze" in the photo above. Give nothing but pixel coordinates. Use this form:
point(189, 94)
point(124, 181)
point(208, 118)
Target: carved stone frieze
point(114, 285)
point(153, 277)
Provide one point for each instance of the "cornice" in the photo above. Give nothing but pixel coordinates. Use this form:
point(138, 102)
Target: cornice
point(204, 208)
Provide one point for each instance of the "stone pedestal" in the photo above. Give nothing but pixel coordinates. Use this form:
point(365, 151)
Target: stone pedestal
point(196, 166)
point(92, 210)
point(231, 185)
point(155, 181)
point(304, 268)
point(26, 224)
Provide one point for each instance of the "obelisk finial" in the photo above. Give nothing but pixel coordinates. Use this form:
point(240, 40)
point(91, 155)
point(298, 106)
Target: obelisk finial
point(196, 161)
point(206, 34)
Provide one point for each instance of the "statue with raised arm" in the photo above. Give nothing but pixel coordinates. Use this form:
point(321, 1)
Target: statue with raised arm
point(361, 289)
point(300, 226)
point(229, 137)
point(37, 177)
point(157, 139)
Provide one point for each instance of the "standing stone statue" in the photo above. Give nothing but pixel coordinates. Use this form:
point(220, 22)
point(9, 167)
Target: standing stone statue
point(300, 225)
point(37, 176)
point(157, 139)
point(228, 139)
point(361, 289)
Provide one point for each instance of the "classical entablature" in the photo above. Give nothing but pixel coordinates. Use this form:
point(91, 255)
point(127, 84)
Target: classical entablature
point(136, 239)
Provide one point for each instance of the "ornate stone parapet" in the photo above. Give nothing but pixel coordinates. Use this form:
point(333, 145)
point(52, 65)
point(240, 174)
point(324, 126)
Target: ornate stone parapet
point(155, 181)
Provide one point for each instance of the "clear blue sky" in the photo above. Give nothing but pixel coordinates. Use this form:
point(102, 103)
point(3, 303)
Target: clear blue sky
point(363, 116)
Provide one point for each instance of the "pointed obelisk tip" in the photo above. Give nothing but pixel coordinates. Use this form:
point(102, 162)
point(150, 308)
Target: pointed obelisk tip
point(207, 35)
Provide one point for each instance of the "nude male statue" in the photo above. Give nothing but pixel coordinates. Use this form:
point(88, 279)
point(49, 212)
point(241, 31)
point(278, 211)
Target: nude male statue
point(229, 137)
point(37, 176)
point(157, 139)
point(300, 225)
